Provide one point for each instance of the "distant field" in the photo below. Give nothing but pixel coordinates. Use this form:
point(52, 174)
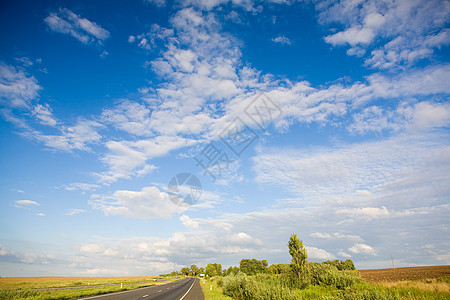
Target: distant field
point(403, 274)
point(61, 282)
point(35, 288)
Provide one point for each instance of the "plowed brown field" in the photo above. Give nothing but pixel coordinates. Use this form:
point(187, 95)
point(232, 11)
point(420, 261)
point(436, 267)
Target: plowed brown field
point(399, 274)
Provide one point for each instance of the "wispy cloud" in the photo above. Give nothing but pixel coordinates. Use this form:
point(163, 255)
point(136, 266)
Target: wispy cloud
point(74, 211)
point(81, 186)
point(67, 22)
point(281, 39)
point(17, 89)
point(335, 175)
point(25, 203)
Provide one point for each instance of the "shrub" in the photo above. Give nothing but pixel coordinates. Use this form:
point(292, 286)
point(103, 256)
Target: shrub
point(341, 265)
point(260, 286)
point(325, 274)
point(368, 292)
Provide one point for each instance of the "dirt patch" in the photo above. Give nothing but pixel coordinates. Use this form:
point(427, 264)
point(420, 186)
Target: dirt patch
point(401, 274)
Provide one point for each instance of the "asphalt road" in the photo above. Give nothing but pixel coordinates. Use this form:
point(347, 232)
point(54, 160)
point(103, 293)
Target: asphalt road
point(185, 289)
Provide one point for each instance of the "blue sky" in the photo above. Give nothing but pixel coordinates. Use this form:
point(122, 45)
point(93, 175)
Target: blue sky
point(338, 114)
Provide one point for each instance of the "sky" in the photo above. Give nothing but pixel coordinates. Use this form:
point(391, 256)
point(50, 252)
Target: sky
point(144, 136)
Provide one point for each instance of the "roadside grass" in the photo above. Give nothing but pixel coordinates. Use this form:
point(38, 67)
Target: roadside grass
point(30, 294)
point(324, 284)
point(212, 291)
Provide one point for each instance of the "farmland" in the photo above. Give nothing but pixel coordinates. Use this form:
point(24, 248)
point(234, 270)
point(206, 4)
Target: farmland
point(402, 274)
point(70, 287)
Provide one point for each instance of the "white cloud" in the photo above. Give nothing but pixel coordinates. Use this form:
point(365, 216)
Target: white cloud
point(81, 186)
point(41, 214)
point(281, 39)
point(362, 249)
point(149, 203)
point(398, 33)
point(45, 115)
point(126, 159)
point(401, 171)
point(344, 254)
point(314, 252)
point(24, 258)
point(420, 116)
point(188, 222)
point(365, 212)
point(67, 22)
point(321, 235)
point(17, 89)
point(25, 203)
point(336, 236)
point(74, 211)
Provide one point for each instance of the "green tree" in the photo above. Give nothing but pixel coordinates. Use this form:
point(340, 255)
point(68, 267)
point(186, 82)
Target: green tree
point(253, 266)
point(232, 270)
point(194, 270)
point(213, 270)
point(185, 271)
point(278, 269)
point(299, 256)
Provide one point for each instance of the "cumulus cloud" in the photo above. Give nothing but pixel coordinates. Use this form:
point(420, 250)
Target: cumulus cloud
point(11, 256)
point(399, 33)
point(67, 22)
point(188, 222)
point(314, 252)
point(362, 249)
point(149, 203)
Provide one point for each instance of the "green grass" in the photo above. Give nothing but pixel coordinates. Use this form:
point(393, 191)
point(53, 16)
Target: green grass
point(7, 283)
point(30, 294)
point(212, 291)
point(325, 284)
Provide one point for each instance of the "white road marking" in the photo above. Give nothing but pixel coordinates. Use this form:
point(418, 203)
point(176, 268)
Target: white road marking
point(144, 296)
point(188, 290)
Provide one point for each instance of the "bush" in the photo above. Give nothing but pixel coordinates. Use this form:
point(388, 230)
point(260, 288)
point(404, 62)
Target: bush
point(325, 274)
point(259, 286)
point(368, 292)
point(341, 265)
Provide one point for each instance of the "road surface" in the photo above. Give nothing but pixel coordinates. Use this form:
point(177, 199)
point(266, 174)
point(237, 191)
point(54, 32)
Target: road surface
point(185, 289)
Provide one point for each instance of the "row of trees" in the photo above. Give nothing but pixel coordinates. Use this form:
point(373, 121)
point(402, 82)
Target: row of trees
point(298, 265)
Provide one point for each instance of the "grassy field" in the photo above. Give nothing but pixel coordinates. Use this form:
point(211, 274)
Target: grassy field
point(421, 283)
point(61, 282)
point(212, 291)
point(34, 288)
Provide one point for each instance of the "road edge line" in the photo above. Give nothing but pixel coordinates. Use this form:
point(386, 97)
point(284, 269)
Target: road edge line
point(188, 290)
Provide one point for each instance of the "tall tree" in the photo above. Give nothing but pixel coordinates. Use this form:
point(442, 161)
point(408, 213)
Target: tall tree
point(299, 256)
point(213, 269)
point(194, 270)
point(185, 271)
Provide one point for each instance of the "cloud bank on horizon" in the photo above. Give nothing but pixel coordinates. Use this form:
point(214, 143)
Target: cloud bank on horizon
point(102, 106)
